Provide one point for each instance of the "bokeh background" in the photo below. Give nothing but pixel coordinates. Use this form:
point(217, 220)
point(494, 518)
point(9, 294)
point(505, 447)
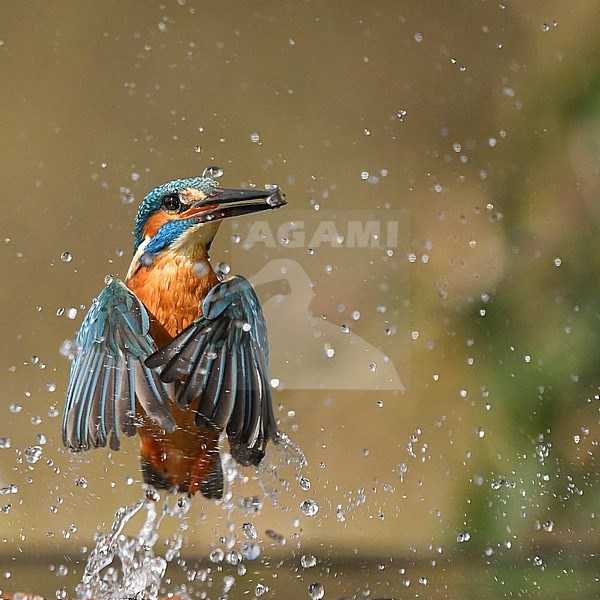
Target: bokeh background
point(481, 120)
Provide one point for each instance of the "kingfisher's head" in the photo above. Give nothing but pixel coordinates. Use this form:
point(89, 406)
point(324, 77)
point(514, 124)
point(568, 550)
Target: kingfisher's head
point(185, 214)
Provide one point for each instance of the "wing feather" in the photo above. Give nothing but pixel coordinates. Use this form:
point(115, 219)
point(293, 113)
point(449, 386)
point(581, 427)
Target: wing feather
point(107, 373)
point(125, 398)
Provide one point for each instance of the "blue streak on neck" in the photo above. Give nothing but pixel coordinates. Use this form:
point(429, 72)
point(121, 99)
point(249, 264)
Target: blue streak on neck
point(167, 234)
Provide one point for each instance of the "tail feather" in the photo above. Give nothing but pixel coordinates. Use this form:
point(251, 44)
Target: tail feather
point(211, 485)
point(154, 477)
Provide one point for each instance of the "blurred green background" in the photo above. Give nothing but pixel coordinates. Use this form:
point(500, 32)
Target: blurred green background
point(482, 121)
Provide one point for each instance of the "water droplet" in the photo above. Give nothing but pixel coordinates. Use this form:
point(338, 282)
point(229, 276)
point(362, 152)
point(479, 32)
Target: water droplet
point(249, 531)
point(5, 443)
point(309, 507)
point(217, 555)
point(126, 196)
point(228, 583)
point(201, 269)
point(33, 454)
point(213, 171)
point(329, 351)
point(463, 536)
point(222, 269)
point(260, 590)
point(81, 482)
point(181, 507)
point(50, 386)
point(251, 505)
point(316, 591)
point(66, 257)
point(373, 369)
point(538, 561)
point(250, 550)
point(255, 137)
point(543, 451)
point(275, 536)
point(276, 199)
point(308, 561)
point(304, 483)
point(69, 349)
point(557, 262)
point(198, 149)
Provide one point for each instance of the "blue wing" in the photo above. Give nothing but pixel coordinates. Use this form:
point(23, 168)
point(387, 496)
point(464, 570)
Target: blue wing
point(223, 358)
point(108, 373)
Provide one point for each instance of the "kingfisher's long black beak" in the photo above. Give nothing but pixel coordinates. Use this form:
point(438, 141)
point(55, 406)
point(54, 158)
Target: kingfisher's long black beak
point(224, 203)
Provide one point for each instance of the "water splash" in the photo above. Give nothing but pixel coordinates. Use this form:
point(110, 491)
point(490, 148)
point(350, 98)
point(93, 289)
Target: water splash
point(289, 453)
point(125, 566)
point(122, 566)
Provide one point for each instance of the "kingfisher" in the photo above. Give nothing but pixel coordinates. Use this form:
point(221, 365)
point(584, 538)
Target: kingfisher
point(174, 353)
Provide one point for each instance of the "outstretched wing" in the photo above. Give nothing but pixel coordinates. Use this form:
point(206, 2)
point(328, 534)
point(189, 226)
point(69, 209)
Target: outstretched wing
point(223, 358)
point(108, 372)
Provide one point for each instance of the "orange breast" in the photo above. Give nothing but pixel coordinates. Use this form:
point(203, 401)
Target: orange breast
point(173, 288)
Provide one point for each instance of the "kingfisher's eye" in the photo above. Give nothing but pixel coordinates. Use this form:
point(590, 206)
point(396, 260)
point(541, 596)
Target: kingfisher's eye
point(171, 202)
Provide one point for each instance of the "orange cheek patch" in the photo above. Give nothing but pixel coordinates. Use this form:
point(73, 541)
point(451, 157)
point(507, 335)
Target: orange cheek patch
point(154, 223)
point(191, 195)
